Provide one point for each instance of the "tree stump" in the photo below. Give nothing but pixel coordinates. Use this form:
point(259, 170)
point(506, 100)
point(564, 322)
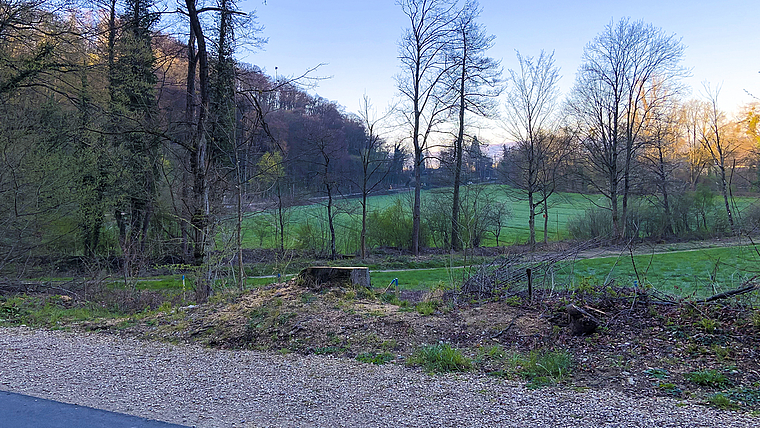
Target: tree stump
point(582, 323)
point(321, 277)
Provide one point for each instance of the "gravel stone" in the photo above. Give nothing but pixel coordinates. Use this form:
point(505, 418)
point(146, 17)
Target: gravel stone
point(202, 387)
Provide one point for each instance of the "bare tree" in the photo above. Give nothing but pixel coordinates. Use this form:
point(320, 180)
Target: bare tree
point(660, 157)
point(531, 121)
point(475, 79)
point(374, 162)
point(612, 99)
point(697, 159)
point(715, 139)
point(424, 66)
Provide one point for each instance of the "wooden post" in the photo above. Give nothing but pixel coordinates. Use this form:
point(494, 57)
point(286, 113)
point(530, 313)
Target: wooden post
point(530, 285)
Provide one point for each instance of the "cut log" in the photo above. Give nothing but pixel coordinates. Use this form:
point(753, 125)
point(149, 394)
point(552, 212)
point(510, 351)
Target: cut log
point(320, 277)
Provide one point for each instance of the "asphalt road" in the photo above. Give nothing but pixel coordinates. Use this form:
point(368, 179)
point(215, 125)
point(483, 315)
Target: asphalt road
point(23, 411)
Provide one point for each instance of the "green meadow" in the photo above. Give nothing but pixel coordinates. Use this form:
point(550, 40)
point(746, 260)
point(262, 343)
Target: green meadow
point(260, 229)
point(698, 273)
point(688, 273)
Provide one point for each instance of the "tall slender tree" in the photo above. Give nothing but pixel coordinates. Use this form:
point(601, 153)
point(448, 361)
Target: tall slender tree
point(660, 159)
point(199, 203)
point(715, 139)
point(421, 82)
point(374, 162)
point(134, 111)
point(475, 80)
point(531, 121)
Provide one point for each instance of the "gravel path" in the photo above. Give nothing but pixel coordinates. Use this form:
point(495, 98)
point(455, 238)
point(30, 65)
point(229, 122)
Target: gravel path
point(214, 388)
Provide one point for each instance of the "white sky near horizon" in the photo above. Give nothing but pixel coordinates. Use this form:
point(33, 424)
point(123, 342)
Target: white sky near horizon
point(358, 41)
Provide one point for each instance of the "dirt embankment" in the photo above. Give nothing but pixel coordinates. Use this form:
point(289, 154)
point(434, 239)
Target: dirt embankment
point(641, 346)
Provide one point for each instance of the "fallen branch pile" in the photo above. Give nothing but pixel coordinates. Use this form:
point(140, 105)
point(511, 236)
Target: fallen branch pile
point(509, 274)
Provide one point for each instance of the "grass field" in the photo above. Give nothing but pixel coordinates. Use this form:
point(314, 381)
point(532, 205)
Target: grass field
point(701, 272)
point(260, 229)
point(689, 273)
point(697, 273)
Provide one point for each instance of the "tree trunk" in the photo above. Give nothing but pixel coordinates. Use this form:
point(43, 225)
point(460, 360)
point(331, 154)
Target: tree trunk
point(241, 268)
point(417, 205)
point(724, 191)
point(333, 250)
point(531, 221)
point(456, 243)
point(280, 218)
point(364, 222)
point(199, 159)
point(546, 220)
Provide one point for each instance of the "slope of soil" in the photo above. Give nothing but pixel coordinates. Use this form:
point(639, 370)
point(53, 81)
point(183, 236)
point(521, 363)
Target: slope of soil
point(708, 353)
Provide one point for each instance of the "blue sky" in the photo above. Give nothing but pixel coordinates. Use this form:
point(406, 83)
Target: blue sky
point(357, 40)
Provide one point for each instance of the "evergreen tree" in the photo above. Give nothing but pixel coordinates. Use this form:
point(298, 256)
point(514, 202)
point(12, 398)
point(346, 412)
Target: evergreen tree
point(134, 111)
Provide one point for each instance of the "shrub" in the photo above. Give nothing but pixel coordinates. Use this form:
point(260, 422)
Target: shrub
point(427, 308)
point(392, 227)
point(480, 213)
point(309, 237)
point(692, 214)
point(595, 222)
point(750, 221)
point(721, 401)
point(393, 299)
point(708, 324)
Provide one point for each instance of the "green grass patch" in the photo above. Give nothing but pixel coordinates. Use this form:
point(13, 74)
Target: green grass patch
point(375, 357)
point(440, 358)
point(427, 308)
point(711, 378)
point(541, 368)
point(393, 299)
point(722, 401)
point(50, 311)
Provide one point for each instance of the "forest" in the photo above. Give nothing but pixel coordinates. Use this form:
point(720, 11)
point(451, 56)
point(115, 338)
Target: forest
point(131, 136)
